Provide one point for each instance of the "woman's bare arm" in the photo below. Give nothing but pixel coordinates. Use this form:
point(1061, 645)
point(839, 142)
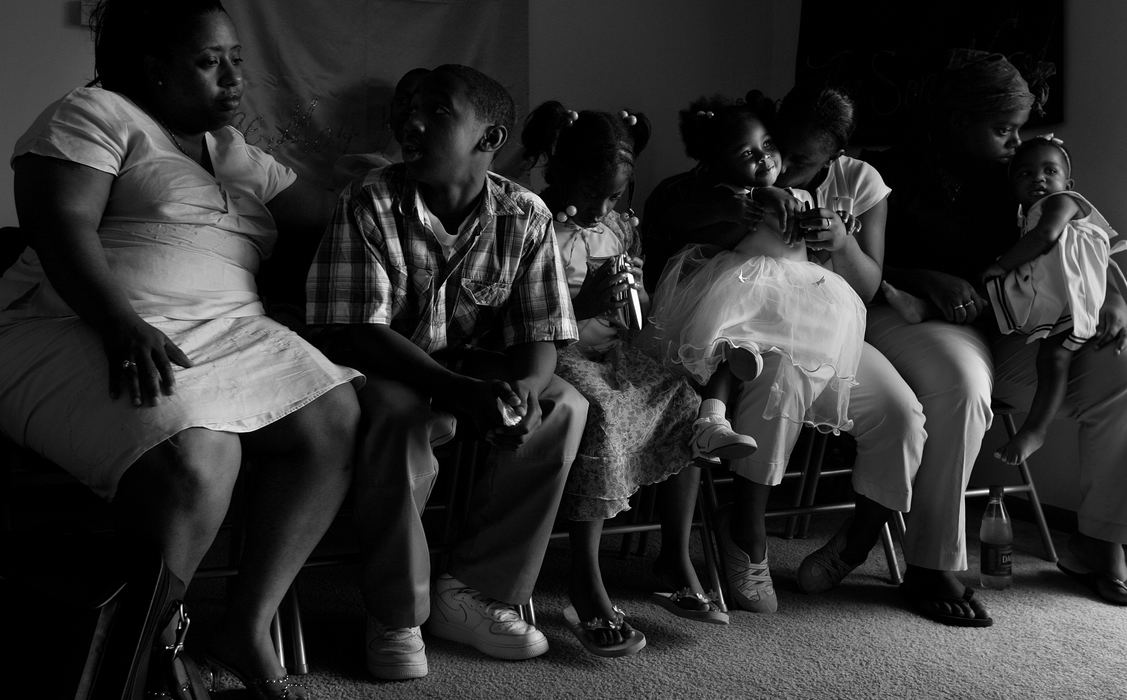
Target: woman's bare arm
point(60, 206)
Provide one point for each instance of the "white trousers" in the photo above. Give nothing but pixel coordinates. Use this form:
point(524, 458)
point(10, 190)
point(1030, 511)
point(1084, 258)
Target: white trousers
point(1097, 400)
point(888, 423)
point(950, 370)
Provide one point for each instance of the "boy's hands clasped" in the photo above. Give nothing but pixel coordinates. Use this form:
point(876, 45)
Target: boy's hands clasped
point(504, 414)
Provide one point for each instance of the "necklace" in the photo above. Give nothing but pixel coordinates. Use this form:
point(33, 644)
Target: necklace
point(205, 156)
point(172, 137)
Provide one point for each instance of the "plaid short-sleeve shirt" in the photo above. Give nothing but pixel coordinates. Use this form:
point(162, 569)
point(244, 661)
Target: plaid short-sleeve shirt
point(380, 263)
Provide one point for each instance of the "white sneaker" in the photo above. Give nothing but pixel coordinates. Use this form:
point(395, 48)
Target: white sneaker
point(713, 440)
point(395, 653)
point(462, 614)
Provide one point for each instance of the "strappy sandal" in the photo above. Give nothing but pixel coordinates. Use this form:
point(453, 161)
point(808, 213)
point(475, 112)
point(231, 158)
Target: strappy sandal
point(701, 607)
point(683, 602)
point(752, 587)
point(1109, 588)
point(582, 630)
point(282, 688)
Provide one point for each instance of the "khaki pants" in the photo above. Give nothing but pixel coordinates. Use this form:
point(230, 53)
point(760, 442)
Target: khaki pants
point(512, 506)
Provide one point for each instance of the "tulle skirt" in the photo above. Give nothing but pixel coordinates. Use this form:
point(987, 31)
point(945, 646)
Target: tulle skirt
point(705, 306)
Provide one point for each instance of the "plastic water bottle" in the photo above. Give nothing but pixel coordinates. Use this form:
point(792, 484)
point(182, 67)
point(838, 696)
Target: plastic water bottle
point(997, 539)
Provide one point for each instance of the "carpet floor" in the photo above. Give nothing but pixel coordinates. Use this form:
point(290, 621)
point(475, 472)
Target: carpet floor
point(1051, 639)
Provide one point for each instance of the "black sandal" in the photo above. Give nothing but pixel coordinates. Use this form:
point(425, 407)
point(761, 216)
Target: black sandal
point(701, 607)
point(933, 607)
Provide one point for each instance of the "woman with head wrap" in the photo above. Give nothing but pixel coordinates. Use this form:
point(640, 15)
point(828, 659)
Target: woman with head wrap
point(950, 215)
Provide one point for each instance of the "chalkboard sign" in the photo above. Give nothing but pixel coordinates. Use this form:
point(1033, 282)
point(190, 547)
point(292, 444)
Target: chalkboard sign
point(882, 52)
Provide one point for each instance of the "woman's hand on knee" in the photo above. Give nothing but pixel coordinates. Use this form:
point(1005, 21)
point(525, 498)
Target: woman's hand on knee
point(140, 360)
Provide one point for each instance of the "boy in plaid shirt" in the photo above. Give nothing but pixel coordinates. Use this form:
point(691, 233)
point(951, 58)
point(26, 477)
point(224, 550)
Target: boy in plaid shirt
point(442, 282)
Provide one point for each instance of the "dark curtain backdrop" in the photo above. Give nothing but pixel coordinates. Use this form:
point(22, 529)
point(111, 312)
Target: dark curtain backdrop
point(320, 73)
point(882, 51)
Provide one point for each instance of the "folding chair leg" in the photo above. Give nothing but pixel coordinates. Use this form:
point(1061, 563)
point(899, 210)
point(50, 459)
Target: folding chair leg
point(276, 634)
point(711, 505)
point(293, 607)
point(890, 555)
point(1034, 501)
point(818, 443)
point(709, 544)
point(527, 612)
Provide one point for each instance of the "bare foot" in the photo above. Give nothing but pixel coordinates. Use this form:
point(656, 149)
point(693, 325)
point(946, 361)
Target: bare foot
point(589, 598)
point(910, 307)
point(1020, 447)
point(675, 572)
point(941, 593)
point(1100, 555)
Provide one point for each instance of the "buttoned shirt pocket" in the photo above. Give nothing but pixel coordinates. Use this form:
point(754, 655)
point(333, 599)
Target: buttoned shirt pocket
point(480, 305)
point(486, 292)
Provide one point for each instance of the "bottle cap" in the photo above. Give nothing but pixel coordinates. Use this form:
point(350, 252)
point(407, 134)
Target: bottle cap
point(997, 491)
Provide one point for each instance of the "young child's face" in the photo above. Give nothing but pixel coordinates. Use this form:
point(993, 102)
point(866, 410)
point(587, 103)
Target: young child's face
point(750, 158)
point(443, 131)
point(1039, 171)
point(594, 198)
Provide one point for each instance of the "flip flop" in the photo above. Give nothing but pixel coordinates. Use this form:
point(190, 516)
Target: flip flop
point(931, 608)
point(1106, 586)
point(627, 647)
point(691, 606)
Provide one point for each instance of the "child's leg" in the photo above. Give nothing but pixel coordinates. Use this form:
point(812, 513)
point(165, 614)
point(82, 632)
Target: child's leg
point(743, 542)
point(749, 517)
point(677, 500)
point(1053, 362)
point(713, 438)
point(585, 587)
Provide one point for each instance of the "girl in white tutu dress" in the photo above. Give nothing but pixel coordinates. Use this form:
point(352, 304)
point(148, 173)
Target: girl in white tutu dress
point(753, 300)
point(713, 305)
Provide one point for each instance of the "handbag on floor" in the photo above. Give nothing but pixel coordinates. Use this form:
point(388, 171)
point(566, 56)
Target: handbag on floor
point(140, 631)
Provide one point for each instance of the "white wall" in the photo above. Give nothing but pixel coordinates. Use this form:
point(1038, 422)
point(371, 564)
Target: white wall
point(646, 55)
point(44, 52)
point(657, 57)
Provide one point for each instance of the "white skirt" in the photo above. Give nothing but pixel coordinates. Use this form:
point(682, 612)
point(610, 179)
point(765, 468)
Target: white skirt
point(54, 389)
point(705, 306)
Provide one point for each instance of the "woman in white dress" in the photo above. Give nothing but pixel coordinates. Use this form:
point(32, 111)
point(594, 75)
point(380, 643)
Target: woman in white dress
point(134, 348)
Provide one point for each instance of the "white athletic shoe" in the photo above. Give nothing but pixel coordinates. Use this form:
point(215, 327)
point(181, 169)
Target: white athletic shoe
point(713, 440)
point(395, 653)
point(462, 614)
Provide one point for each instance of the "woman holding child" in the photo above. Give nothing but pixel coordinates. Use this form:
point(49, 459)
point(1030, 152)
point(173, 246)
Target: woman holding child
point(887, 419)
point(950, 217)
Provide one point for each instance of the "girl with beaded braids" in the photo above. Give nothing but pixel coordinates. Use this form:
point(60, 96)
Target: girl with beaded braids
point(748, 303)
point(640, 414)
